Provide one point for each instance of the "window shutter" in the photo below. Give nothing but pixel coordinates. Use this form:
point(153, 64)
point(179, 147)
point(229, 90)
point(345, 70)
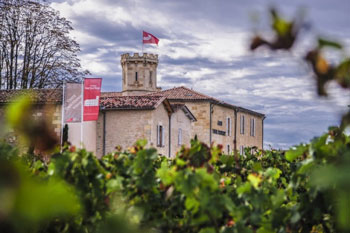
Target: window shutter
point(242, 124)
point(158, 137)
point(180, 137)
point(228, 126)
point(227, 132)
point(254, 129)
point(163, 132)
point(251, 126)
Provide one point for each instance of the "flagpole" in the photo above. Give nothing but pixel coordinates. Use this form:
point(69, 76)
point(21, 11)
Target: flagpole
point(62, 113)
point(82, 115)
point(142, 43)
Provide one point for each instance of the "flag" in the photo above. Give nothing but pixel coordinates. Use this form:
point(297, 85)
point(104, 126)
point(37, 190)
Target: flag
point(72, 102)
point(92, 93)
point(148, 38)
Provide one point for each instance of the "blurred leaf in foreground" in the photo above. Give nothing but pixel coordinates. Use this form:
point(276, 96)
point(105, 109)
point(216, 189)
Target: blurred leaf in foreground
point(26, 202)
point(36, 133)
point(285, 32)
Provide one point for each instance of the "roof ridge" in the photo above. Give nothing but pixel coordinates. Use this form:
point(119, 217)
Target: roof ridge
point(199, 93)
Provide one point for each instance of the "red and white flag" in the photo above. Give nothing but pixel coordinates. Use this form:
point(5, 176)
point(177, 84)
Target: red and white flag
point(92, 93)
point(148, 38)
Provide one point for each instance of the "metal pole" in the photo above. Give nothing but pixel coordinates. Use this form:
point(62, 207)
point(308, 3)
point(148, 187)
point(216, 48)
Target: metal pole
point(62, 112)
point(82, 116)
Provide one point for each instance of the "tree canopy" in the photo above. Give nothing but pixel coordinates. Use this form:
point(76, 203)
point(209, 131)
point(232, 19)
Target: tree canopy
point(36, 50)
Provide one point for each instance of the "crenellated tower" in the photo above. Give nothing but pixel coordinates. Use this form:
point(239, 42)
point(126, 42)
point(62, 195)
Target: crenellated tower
point(139, 73)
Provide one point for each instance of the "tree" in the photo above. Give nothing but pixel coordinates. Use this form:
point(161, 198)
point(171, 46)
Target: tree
point(36, 50)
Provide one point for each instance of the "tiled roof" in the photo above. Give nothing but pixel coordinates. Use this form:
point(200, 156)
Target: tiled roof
point(183, 93)
point(37, 95)
point(131, 102)
point(186, 94)
point(110, 94)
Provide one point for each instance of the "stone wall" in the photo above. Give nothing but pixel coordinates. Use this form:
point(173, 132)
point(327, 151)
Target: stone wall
point(124, 127)
point(201, 127)
point(246, 139)
point(160, 117)
point(220, 134)
point(180, 121)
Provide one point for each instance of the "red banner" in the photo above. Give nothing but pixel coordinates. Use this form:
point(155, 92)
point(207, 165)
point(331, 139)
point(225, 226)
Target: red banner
point(92, 93)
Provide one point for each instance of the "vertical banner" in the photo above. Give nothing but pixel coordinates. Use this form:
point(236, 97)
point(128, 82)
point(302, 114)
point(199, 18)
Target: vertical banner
point(92, 93)
point(72, 102)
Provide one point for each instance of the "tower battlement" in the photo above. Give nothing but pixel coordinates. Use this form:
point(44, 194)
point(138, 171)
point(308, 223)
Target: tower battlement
point(136, 57)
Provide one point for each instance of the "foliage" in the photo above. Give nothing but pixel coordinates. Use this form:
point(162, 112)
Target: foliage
point(36, 50)
point(26, 200)
point(323, 69)
point(201, 190)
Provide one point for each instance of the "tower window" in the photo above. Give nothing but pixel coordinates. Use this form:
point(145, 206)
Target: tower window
point(136, 78)
point(150, 77)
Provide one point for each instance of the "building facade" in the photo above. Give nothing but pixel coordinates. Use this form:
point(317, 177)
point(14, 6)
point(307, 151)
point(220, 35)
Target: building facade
point(216, 121)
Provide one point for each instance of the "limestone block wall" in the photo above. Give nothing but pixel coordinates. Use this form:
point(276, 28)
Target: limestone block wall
point(246, 139)
point(201, 127)
point(160, 117)
point(180, 121)
point(125, 127)
point(219, 126)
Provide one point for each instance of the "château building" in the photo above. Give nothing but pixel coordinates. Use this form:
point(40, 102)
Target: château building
point(167, 119)
point(184, 114)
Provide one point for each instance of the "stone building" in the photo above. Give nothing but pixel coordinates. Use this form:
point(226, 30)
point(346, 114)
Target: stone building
point(216, 121)
point(168, 119)
point(125, 119)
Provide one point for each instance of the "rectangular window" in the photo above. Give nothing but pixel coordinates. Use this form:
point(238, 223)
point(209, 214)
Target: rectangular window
point(180, 137)
point(220, 132)
point(220, 123)
point(242, 124)
point(136, 77)
point(160, 136)
point(241, 150)
point(228, 149)
point(252, 127)
point(150, 78)
point(228, 126)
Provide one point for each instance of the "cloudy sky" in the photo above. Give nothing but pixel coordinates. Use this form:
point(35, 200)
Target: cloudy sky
point(204, 46)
